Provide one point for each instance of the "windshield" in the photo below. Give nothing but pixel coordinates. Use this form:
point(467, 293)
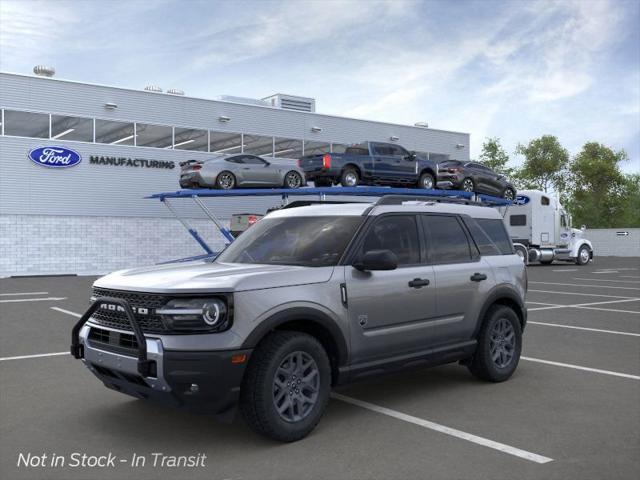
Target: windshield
point(305, 241)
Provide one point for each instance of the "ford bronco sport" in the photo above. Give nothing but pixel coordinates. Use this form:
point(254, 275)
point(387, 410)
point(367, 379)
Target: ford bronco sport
point(309, 298)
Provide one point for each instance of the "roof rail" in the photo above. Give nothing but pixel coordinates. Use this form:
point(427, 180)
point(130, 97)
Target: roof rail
point(400, 199)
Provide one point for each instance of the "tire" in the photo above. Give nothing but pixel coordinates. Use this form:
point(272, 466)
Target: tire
point(322, 182)
point(500, 324)
point(427, 181)
point(468, 185)
point(225, 180)
point(293, 180)
point(509, 194)
point(584, 255)
point(349, 177)
point(260, 393)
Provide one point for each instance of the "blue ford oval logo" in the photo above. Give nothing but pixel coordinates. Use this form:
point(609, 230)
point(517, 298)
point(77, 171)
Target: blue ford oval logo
point(521, 200)
point(55, 157)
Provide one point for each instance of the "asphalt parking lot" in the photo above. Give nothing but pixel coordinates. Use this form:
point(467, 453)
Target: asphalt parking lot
point(572, 410)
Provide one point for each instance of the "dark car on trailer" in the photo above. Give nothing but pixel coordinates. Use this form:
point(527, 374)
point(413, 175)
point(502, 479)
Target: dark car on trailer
point(371, 163)
point(474, 177)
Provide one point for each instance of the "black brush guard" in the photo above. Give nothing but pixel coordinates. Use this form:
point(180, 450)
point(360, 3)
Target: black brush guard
point(77, 350)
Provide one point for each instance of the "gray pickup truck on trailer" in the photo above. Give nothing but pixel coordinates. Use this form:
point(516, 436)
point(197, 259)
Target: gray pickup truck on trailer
point(308, 298)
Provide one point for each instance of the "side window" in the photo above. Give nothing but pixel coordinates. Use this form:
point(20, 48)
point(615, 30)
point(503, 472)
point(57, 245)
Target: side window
point(398, 151)
point(563, 220)
point(253, 160)
point(381, 149)
point(494, 228)
point(544, 201)
point(398, 233)
point(235, 159)
point(518, 220)
point(447, 238)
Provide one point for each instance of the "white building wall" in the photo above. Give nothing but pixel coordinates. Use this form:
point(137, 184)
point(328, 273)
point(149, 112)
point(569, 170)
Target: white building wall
point(606, 242)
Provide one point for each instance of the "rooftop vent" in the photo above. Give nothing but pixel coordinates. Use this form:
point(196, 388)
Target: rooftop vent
point(153, 88)
point(175, 91)
point(291, 102)
point(245, 100)
point(44, 71)
point(421, 124)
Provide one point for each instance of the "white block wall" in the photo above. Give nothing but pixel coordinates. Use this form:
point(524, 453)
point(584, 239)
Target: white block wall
point(607, 242)
point(53, 245)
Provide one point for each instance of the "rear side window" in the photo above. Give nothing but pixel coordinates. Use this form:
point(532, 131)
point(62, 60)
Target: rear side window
point(448, 240)
point(518, 220)
point(494, 231)
point(398, 233)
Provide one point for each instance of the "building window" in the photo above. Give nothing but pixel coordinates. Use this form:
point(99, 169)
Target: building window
point(258, 145)
point(114, 133)
point(71, 128)
point(26, 124)
point(316, 148)
point(225, 143)
point(287, 148)
point(191, 139)
point(157, 136)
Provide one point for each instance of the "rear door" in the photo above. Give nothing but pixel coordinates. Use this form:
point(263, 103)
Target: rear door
point(390, 313)
point(463, 279)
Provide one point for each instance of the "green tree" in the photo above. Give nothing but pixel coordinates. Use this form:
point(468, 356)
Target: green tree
point(494, 156)
point(599, 195)
point(545, 164)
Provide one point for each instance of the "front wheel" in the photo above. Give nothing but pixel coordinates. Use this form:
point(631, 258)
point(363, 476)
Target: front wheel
point(499, 345)
point(426, 181)
point(293, 180)
point(286, 387)
point(468, 185)
point(583, 255)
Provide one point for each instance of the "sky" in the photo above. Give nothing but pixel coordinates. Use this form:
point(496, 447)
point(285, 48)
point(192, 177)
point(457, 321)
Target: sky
point(509, 69)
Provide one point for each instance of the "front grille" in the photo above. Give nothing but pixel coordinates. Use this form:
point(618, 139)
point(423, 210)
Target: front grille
point(111, 341)
point(149, 323)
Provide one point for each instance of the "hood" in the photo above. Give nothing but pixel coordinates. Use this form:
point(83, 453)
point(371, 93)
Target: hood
point(201, 276)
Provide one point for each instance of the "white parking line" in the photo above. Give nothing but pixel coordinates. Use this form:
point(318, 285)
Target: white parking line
point(581, 294)
point(607, 280)
point(552, 306)
point(607, 271)
point(615, 332)
point(23, 293)
point(62, 310)
point(580, 367)
point(485, 442)
point(22, 357)
point(629, 276)
point(609, 310)
point(566, 270)
point(581, 285)
point(48, 299)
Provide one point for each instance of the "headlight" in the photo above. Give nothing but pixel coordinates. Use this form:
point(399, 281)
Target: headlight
point(196, 314)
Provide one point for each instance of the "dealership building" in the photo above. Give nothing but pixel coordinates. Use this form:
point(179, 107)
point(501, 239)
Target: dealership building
point(91, 216)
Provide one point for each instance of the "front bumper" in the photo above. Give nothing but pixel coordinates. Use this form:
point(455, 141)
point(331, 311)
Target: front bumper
point(204, 381)
point(131, 363)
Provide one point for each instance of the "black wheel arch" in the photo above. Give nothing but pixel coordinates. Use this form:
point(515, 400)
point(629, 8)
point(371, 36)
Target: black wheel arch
point(311, 321)
point(354, 167)
point(430, 171)
point(507, 296)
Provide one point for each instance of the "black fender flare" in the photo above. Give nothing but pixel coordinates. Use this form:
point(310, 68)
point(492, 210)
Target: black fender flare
point(502, 292)
point(306, 314)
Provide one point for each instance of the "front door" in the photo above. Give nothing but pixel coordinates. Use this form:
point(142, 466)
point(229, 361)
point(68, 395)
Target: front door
point(391, 312)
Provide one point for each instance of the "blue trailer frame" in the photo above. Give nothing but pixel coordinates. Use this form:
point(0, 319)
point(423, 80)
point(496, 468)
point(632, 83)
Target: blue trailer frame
point(321, 193)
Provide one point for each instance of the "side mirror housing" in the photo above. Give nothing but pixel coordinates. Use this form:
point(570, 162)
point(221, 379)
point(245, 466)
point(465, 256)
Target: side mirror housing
point(411, 156)
point(377, 260)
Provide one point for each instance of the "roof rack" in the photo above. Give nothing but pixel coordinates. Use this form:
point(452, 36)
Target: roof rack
point(388, 196)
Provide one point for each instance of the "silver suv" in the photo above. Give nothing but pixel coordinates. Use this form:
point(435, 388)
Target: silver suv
point(308, 298)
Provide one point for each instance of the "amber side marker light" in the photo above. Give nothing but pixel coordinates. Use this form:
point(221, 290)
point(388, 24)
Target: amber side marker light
point(239, 358)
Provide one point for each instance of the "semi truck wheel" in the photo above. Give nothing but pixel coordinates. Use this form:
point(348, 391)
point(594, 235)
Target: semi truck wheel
point(583, 255)
point(286, 387)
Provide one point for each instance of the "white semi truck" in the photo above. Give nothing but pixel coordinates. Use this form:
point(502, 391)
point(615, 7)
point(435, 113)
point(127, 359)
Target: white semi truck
point(541, 230)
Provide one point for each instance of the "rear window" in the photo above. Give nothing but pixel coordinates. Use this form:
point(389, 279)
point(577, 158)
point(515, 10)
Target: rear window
point(497, 235)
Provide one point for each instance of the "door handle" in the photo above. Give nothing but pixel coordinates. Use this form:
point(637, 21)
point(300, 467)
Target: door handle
point(418, 283)
point(478, 277)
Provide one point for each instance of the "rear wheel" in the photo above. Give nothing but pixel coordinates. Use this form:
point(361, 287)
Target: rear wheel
point(293, 180)
point(499, 345)
point(583, 255)
point(226, 180)
point(426, 181)
point(349, 177)
point(468, 185)
point(286, 387)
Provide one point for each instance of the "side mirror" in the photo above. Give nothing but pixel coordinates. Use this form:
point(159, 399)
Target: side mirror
point(583, 228)
point(411, 156)
point(377, 260)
